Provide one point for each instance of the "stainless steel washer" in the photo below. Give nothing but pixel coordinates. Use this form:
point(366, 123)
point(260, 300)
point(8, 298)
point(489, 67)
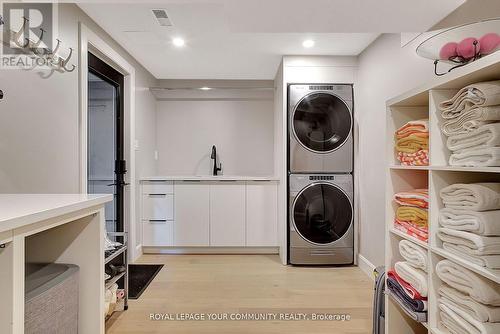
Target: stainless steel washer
point(321, 219)
point(320, 123)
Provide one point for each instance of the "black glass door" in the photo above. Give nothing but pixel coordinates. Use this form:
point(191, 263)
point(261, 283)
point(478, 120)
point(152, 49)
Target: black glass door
point(322, 122)
point(322, 213)
point(105, 142)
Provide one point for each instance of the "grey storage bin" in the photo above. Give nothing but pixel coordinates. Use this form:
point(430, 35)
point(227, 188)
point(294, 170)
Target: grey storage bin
point(51, 302)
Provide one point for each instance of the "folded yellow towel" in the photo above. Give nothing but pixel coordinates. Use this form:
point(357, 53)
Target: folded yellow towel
point(412, 143)
point(414, 215)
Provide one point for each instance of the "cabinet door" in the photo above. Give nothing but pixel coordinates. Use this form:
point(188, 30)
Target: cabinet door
point(261, 214)
point(227, 214)
point(191, 213)
point(158, 206)
point(157, 233)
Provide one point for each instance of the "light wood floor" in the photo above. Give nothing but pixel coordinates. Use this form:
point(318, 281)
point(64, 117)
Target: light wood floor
point(247, 283)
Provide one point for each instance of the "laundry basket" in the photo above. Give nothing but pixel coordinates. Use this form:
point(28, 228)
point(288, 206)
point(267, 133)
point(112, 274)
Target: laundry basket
point(51, 299)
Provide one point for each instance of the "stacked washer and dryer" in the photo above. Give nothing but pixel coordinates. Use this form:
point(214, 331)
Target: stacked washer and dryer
point(320, 167)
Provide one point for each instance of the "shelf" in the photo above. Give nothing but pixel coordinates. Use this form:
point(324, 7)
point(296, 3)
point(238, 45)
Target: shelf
point(449, 168)
point(409, 237)
point(114, 279)
point(409, 167)
point(484, 69)
point(491, 274)
point(115, 254)
point(467, 169)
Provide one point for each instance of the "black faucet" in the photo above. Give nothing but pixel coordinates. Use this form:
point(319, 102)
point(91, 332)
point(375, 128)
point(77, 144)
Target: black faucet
point(214, 156)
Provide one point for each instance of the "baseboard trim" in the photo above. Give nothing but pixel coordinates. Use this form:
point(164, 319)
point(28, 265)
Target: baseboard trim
point(210, 250)
point(366, 266)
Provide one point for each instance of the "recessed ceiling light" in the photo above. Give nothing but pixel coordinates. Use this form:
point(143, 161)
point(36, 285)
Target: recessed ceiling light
point(179, 42)
point(308, 43)
point(205, 88)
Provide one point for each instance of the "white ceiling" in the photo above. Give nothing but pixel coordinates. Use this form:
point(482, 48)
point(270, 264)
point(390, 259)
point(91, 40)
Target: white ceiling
point(245, 39)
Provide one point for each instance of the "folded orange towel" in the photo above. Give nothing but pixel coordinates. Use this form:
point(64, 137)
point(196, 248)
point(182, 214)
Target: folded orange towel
point(413, 127)
point(417, 198)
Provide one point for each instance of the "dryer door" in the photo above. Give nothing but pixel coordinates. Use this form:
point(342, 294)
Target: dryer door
point(322, 213)
point(321, 122)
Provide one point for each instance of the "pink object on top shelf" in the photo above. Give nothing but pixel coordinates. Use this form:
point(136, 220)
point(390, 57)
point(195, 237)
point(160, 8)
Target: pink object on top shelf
point(489, 43)
point(449, 50)
point(468, 48)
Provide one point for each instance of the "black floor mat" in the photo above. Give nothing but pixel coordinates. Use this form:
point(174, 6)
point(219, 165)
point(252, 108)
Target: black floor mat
point(139, 277)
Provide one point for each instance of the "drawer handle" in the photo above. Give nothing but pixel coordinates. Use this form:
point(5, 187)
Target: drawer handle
point(157, 195)
point(157, 220)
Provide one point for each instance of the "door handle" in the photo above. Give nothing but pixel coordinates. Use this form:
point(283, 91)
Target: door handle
point(116, 184)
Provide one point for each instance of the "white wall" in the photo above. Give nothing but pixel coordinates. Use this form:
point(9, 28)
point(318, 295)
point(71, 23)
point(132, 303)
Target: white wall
point(39, 138)
point(385, 71)
point(39, 121)
point(242, 130)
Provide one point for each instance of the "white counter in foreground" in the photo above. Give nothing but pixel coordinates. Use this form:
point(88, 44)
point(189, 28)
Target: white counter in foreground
point(17, 210)
point(52, 228)
point(209, 178)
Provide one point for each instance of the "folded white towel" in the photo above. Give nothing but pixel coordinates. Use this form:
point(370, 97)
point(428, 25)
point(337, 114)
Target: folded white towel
point(478, 94)
point(472, 243)
point(458, 321)
point(470, 120)
point(488, 261)
point(485, 136)
point(415, 255)
point(482, 223)
point(480, 312)
point(473, 196)
point(478, 287)
point(417, 278)
point(485, 157)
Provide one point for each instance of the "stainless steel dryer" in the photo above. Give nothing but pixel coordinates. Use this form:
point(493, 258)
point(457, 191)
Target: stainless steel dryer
point(321, 219)
point(320, 123)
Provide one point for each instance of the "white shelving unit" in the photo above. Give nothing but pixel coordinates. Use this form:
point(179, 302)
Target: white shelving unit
point(416, 104)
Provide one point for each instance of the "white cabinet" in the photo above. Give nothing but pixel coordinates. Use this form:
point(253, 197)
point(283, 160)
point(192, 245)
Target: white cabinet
point(261, 214)
point(191, 226)
point(158, 187)
point(227, 214)
point(157, 213)
point(209, 213)
point(158, 206)
point(157, 233)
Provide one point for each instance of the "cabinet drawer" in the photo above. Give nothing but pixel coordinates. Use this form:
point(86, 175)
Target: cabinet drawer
point(158, 233)
point(158, 187)
point(158, 206)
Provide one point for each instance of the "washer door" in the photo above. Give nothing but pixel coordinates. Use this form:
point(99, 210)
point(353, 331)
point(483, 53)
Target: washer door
point(322, 213)
point(322, 122)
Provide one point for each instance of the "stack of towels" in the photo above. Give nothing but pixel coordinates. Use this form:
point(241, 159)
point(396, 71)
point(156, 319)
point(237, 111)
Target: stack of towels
point(472, 125)
point(407, 282)
point(470, 222)
point(468, 303)
point(412, 143)
point(411, 214)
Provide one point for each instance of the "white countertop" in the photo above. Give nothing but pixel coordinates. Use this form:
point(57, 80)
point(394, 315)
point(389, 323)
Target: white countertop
point(18, 210)
point(209, 178)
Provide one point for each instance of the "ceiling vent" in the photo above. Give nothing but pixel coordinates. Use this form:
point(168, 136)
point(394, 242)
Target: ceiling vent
point(162, 17)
